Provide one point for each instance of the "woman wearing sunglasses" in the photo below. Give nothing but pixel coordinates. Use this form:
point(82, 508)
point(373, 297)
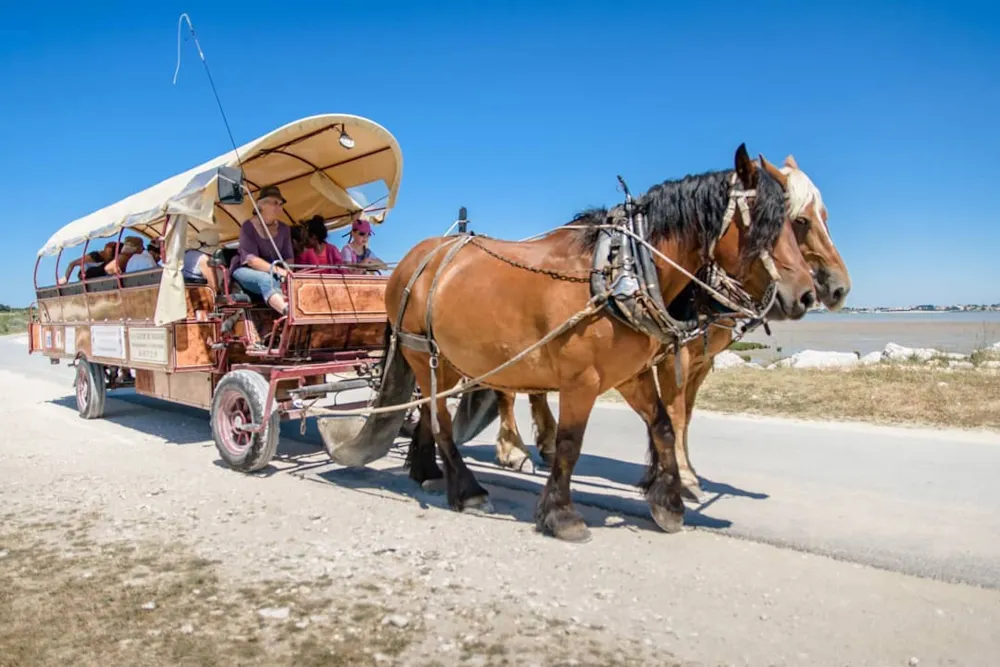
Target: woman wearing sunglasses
point(356, 250)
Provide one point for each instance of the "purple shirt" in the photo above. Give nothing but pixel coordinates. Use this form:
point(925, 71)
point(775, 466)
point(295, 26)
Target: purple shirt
point(253, 244)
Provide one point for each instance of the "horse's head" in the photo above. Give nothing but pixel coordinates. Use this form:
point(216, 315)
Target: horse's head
point(809, 222)
point(758, 245)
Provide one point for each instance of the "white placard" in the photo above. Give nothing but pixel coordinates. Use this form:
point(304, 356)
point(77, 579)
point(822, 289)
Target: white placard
point(59, 343)
point(70, 340)
point(148, 345)
point(48, 339)
point(107, 341)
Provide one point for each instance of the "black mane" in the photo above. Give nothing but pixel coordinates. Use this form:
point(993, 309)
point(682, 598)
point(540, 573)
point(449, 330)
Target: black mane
point(692, 208)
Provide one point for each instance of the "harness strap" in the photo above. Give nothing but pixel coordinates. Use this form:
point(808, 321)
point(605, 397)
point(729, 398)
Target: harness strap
point(428, 311)
point(412, 341)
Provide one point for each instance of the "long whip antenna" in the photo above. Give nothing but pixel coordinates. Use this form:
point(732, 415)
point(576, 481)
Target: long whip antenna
point(201, 54)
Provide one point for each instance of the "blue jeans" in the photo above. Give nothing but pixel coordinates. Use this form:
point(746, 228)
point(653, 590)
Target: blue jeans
point(258, 282)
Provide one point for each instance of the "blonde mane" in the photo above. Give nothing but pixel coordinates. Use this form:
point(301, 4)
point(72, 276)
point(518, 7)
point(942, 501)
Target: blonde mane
point(803, 195)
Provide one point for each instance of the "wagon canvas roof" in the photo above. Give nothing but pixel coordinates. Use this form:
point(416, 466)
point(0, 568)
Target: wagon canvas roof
point(304, 158)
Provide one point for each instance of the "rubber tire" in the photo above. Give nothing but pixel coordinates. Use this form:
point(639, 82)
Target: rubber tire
point(93, 375)
point(252, 388)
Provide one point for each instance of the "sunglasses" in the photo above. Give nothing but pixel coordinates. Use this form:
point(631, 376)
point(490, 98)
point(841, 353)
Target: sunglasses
point(359, 233)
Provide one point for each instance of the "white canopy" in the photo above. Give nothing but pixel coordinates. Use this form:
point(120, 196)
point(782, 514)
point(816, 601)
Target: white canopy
point(304, 158)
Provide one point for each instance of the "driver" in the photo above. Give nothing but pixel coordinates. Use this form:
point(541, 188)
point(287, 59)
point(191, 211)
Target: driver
point(251, 266)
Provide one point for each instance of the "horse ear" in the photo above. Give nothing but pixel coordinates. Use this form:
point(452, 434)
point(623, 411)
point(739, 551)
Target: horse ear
point(791, 163)
point(774, 172)
point(746, 170)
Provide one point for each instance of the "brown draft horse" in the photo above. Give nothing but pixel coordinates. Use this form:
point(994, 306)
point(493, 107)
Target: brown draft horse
point(832, 280)
point(453, 300)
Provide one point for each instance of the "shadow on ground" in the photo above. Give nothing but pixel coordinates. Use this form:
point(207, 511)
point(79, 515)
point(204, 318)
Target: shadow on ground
point(513, 494)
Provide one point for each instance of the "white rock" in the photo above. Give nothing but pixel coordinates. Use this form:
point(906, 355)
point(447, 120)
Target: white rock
point(871, 359)
point(961, 365)
point(727, 359)
point(820, 359)
point(4, 553)
point(995, 346)
point(187, 629)
point(990, 364)
point(274, 612)
point(396, 620)
point(149, 606)
point(894, 352)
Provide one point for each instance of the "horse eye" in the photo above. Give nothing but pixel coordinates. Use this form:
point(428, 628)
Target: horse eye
point(802, 222)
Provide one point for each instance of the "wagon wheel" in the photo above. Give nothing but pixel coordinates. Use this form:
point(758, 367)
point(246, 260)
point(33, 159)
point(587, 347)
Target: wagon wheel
point(91, 389)
point(239, 402)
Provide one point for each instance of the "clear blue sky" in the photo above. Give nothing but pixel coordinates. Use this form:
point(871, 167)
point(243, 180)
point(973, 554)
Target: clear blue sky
point(525, 113)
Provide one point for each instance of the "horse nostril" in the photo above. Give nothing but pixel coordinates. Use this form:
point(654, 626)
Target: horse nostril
point(808, 299)
point(838, 295)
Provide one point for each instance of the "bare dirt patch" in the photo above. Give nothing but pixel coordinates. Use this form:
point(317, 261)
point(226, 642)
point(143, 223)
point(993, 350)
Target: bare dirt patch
point(68, 598)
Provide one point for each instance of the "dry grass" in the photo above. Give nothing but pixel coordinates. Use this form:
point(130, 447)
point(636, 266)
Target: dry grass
point(13, 322)
point(67, 600)
point(881, 394)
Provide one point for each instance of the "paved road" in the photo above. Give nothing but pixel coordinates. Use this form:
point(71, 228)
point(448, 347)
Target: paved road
point(915, 501)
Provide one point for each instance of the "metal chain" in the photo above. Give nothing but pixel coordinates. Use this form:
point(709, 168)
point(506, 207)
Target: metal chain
point(533, 269)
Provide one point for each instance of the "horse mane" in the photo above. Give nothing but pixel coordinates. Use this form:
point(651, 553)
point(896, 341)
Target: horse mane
point(691, 209)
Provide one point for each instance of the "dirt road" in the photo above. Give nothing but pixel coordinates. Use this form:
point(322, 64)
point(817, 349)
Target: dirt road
point(124, 541)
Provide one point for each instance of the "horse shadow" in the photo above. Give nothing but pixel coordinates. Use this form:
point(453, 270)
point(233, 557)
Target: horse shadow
point(512, 496)
point(612, 470)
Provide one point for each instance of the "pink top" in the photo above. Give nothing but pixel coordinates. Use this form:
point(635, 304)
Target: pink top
point(330, 257)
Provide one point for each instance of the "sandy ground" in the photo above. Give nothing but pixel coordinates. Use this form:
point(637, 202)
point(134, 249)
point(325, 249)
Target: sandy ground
point(445, 588)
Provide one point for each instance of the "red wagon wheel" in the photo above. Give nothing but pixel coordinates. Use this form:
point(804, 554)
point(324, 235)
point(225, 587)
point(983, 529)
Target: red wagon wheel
point(91, 389)
point(239, 404)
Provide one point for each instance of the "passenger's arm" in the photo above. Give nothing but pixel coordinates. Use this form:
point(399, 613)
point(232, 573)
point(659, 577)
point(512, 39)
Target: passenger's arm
point(72, 265)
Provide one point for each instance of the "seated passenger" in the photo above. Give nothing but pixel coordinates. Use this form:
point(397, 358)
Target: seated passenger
point(196, 259)
point(298, 243)
point(154, 249)
point(131, 246)
point(95, 259)
point(356, 251)
point(251, 267)
point(317, 251)
point(141, 259)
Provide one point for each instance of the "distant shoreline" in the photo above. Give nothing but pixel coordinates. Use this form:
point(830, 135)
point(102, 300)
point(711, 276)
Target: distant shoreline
point(904, 312)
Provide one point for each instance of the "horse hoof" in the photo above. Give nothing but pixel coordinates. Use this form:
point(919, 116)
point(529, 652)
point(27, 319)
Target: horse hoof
point(669, 522)
point(433, 485)
point(693, 493)
point(525, 465)
point(568, 526)
point(478, 505)
point(522, 464)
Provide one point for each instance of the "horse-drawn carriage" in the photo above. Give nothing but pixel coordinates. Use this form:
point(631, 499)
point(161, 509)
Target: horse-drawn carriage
point(607, 301)
point(224, 349)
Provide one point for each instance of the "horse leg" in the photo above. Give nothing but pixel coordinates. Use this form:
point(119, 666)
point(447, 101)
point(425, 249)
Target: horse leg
point(420, 458)
point(464, 492)
point(675, 398)
point(544, 426)
point(511, 452)
point(555, 513)
point(701, 366)
point(661, 484)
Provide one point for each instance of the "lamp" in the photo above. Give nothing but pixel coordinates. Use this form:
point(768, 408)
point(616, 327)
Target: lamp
point(345, 139)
